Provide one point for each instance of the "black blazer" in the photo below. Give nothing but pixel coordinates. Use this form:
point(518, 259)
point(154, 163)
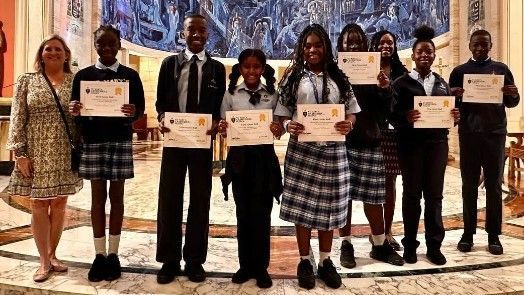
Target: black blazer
point(212, 87)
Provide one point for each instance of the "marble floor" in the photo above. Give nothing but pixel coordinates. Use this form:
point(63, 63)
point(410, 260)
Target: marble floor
point(477, 272)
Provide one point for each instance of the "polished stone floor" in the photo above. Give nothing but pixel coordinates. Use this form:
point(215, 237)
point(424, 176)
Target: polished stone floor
point(476, 272)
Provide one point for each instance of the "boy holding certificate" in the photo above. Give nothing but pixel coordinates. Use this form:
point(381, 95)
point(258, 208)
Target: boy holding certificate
point(190, 82)
point(316, 185)
point(423, 152)
point(482, 138)
point(253, 169)
point(107, 151)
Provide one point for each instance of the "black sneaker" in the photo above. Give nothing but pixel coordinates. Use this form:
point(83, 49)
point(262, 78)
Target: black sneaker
point(241, 276)
point(195, 272)
point(97, 272)
point(410, 256)
point(466, 243)
point(305, 275)
point(328, 273)
point(436, 257)
point(386, 253)
point(347, 255)
point(263, 279)
point(168, 272)
point(114, 271)
point(494, 245)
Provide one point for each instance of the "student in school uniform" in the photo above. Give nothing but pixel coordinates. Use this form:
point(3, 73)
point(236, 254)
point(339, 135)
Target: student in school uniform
point(253, 169)
point(423, 152)
point(190, 82)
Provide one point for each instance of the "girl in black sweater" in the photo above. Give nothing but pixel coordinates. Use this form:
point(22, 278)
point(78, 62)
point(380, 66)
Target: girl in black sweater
point(367, 177)
point(423, 152)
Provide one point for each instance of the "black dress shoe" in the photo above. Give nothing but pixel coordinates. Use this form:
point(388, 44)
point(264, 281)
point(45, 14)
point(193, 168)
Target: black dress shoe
point(328, 273)
point(436, 257)
point(263, 279)
point(494, 245)
point(465, 244)
point(168, 272)
point(410, 256)
point(305, 274)
point(241, 276)
point(195, 273)
point(347, 255)
point(97, 272)
point(114, 270)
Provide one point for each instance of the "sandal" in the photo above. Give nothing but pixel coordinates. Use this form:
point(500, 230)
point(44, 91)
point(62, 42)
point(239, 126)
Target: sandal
point(42, 276)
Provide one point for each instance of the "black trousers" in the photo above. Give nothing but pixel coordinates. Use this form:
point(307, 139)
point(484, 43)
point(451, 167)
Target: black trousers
point(487, 151)
point(253, 212)
point(175, 163)
point(423, 166)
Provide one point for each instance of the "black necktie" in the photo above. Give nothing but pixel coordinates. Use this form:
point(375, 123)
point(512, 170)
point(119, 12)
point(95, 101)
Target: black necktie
point(192, 86)
point(254, 96)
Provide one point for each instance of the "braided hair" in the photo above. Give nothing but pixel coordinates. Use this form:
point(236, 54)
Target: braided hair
point(268, 74)
point(288, 85)
point(348, 29)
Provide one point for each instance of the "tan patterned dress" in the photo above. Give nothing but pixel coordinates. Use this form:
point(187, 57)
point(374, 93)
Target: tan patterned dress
point(36, 125)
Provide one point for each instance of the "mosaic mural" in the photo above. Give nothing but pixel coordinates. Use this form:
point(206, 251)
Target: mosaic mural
point(271, 25)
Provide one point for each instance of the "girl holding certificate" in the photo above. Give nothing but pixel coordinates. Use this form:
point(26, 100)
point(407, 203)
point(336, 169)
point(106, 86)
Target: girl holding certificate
point(107, 152)
point(423, 152)
point(385, 42)
point(253, 169)
point(367, 177)
point(316, 174)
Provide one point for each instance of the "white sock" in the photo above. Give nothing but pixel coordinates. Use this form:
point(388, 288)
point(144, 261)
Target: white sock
point(323, 256)
point(378, 240)
point(100, 245)
point(346, 238)
point(307, 257)
point(114, 241)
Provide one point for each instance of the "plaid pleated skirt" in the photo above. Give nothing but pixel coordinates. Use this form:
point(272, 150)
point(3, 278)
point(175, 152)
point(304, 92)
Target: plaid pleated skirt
point(106, 161)
point(316, 185)
point(389, 144)
point(367, 177)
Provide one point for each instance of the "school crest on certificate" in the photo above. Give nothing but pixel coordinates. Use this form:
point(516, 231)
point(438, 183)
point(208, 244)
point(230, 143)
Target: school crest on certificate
point(482, 88)
point(360, 67)
point(435, 111)
point(249, 127)
point(319, 122)
point(187, 130)
point(103, 98)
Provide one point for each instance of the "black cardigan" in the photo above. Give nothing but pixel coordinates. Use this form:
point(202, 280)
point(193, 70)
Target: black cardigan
point(212, 87)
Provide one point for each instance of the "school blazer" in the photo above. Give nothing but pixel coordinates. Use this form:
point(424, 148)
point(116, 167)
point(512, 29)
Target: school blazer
point(212, 87)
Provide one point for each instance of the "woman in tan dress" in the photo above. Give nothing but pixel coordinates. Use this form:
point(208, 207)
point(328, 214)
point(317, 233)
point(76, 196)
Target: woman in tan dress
point(43, 155)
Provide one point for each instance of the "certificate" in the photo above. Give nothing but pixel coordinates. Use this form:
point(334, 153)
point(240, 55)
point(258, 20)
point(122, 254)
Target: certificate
point(187, 130)
point(483, 88)
point(435, 111)
point(249, 127)
point(360, 67)
point(319, 121)
point(103, 98)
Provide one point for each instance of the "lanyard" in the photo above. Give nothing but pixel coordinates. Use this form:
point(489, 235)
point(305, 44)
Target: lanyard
point(315, 90)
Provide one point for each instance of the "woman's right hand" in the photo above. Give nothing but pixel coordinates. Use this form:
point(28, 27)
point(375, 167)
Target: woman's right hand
point(295, 128)
point(222, 128)
point(74, 107)
point(25, 166)
point(412, 116)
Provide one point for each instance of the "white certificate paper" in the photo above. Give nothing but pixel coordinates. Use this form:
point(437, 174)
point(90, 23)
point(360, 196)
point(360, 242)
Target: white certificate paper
point(187, 130)
point(360, 67)
point(249, 127)
point(483, 88)
point(103, 98)
point(435, 111)
point(319, 121)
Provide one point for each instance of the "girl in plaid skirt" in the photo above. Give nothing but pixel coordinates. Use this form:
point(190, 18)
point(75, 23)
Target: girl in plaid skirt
point(316, 174)
point(366, 162)
point(107, 152)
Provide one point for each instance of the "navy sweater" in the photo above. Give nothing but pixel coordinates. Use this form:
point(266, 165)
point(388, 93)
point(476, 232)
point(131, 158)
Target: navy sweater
point(483, 117)
point(109, 129)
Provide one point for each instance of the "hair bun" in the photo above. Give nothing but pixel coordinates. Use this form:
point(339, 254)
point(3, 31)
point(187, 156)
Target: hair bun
point(424, 33)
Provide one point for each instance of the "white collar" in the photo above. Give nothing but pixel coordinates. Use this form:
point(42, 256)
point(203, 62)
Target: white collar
point(243, 86)
point(113, 67)
point(416, 75)
point(188, 54)
point(487, 59)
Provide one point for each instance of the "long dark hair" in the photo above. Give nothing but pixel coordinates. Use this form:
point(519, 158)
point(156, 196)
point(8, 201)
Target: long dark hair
point(268, 74)
point(397, 68)
point(295, 71)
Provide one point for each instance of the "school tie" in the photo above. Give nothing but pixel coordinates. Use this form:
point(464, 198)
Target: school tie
point(192, 86)
point(254, 96)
